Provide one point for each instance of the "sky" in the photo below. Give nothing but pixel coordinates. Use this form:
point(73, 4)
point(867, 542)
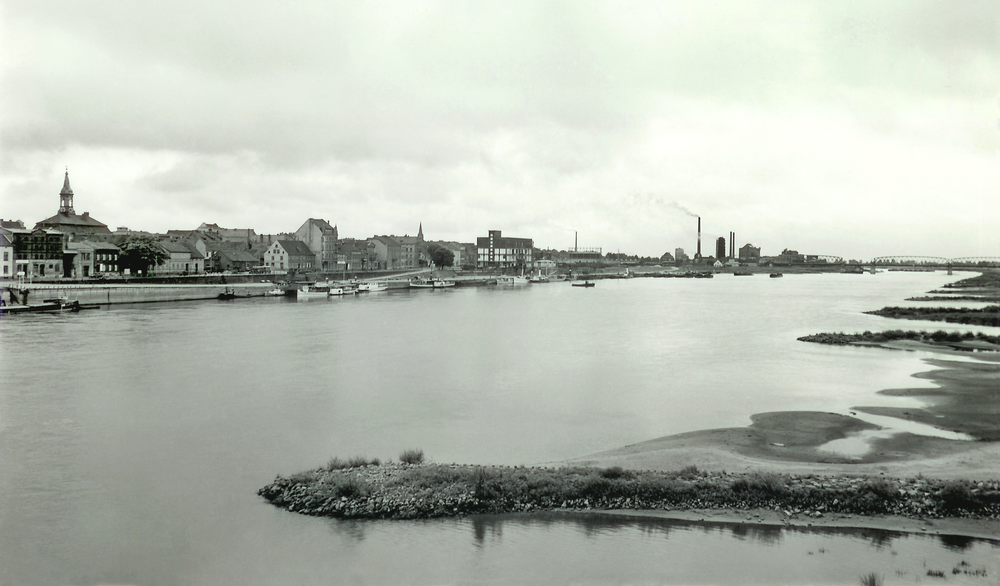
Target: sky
point(856, 129)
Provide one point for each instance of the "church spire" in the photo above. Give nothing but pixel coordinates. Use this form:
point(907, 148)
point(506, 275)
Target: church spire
point(420, 233)
point(66, 196)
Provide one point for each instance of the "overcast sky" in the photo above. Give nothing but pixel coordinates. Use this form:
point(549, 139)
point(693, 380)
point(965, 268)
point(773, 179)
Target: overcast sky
point(849, 128)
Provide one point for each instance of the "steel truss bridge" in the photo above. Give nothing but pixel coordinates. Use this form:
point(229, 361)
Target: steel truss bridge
point(907, 260)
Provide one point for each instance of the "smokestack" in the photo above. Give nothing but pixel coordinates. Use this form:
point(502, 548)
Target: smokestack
point(575, 249)
point(698, 255)
point(732, 245)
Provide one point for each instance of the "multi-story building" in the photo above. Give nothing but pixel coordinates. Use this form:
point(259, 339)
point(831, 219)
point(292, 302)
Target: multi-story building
point(40, 252)
point(411, 249)
point(245, 235)
point(321, 238)
point(497, 251)
point(6, 256)
point(356, 255)
point(749, 253)
point(388, 252)
point(680, 255)
point(93, 259)
point(286, 255)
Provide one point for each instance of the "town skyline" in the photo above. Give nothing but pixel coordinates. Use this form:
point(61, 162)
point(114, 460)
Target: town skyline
point(850, 130)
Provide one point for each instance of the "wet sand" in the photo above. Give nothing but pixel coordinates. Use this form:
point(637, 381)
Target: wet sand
point(966, 400)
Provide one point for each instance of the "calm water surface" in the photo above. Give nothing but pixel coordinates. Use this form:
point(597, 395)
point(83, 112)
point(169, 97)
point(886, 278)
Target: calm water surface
point(133, 439)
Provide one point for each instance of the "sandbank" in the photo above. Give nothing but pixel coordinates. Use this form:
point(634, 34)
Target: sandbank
point(965, 400)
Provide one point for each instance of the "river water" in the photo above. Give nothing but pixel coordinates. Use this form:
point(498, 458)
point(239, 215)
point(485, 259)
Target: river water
point(133, 439)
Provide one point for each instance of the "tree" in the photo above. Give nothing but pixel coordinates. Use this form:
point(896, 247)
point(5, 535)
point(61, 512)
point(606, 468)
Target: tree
point(440, 255)
point(138, 253)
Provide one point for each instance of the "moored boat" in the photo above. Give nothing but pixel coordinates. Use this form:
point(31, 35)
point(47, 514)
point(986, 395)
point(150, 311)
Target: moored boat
point(312, 292)
point(511, 280)
point(583, 284)
point(433, 284)
point(372, 287)
point(776, 275)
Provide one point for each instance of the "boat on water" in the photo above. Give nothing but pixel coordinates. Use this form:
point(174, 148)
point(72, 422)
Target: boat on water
point(776, 275)
point(742, 274)
point(277, 292)
point(59, 304)
point(511, 280)
point(312, 292)
point(583, 284)
point(432, 284)
point(339, 290)
point(230, 293)
point(372, 287)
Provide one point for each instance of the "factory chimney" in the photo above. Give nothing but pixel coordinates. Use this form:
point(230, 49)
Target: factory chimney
point(698, 254)
point(575, 249)
point(732, 245)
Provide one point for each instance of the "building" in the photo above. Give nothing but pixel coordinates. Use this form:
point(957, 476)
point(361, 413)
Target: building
point(93, 258)
point(244, 235)
point(788, 257)
point(321, 238)
point(40, 252)
point(232, 260)
point(666, 257)
point(7, 255)
point(289, 255)
point(356, 255)
point(74, 226)
point(387, 252)
point(411, 249)
point(496, 251)
point(720, 248)
point(749, 253)
point(182, 258)
point(679, 255)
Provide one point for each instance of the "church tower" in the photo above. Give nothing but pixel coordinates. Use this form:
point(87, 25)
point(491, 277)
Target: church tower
point(66, 197)
point(420, 233)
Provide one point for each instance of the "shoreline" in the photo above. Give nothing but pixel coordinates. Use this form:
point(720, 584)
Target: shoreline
point(771, 472)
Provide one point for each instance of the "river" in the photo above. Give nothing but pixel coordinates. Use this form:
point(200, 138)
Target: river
point(133, 438)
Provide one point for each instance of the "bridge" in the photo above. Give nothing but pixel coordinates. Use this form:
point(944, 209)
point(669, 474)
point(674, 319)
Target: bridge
point(909, 260)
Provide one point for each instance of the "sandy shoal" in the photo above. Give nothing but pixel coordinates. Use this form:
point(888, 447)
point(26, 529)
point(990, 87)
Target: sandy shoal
point(967, 400)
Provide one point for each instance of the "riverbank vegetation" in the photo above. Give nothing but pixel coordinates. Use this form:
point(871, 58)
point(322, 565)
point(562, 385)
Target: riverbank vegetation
point(986, 316)
point(402, 491)
point(939, 337)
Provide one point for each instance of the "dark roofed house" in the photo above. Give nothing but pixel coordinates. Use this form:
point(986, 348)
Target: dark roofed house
point(68, 222)
point(182, 258)
point(286, 255)
point(237, 261)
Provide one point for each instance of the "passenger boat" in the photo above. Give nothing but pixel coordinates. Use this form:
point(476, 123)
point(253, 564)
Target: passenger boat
point(277, 292)
point(342, 290)
point(434, 284)
point(312, 292)
point(372, 287)
point(583, 284)
point(511, 280)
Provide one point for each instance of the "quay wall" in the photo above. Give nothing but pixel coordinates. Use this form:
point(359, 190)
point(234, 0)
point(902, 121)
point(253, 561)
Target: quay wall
point(111, 294)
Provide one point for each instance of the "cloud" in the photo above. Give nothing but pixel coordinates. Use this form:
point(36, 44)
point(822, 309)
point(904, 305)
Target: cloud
point(524, 116)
